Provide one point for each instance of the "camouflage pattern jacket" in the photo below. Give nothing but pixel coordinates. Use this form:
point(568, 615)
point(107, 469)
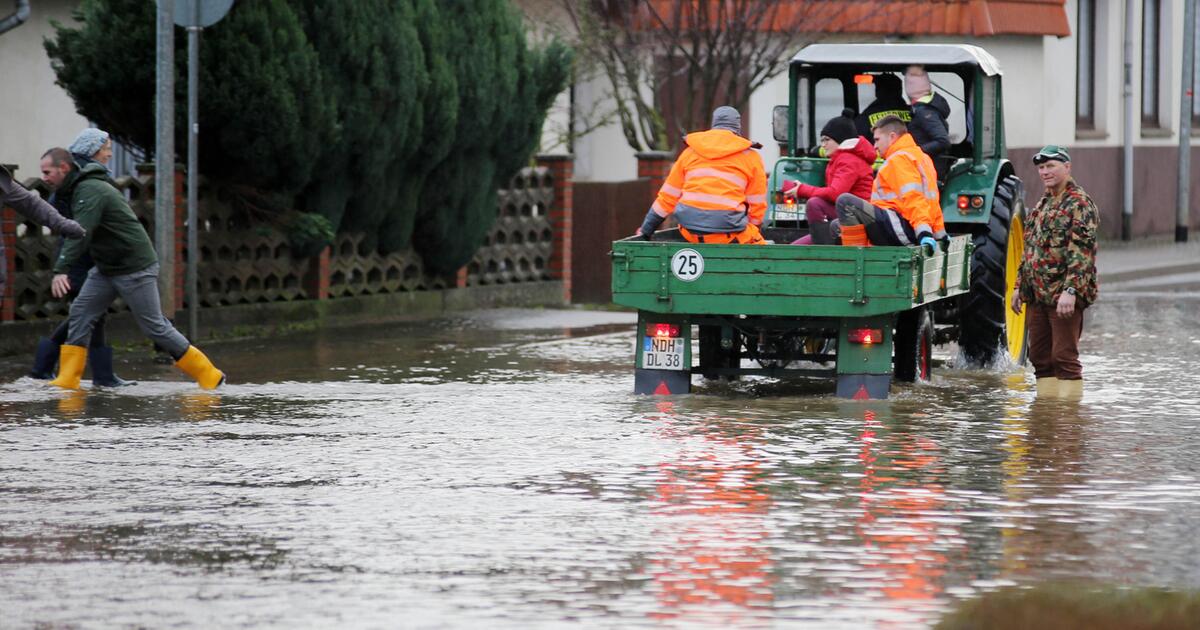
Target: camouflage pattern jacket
point(1060, 248)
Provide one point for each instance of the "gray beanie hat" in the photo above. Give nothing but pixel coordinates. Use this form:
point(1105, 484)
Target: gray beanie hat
point(728, 118)
point(88, 142)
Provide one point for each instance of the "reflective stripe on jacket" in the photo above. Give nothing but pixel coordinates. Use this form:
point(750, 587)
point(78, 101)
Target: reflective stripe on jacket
point(718, 184)
point(907, 184)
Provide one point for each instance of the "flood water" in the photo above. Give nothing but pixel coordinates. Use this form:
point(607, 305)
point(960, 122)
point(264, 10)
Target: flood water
point(494, 470)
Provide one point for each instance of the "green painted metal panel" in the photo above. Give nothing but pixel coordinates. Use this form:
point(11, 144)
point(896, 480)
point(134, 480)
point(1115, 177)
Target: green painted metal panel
point(717, 264)
point(858, 358)
point(967, 179)
point(802, 169)
point(787, 280)
point(765, 305)
point(756, 285)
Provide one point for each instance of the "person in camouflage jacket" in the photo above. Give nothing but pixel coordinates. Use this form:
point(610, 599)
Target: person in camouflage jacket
point(1057, 276)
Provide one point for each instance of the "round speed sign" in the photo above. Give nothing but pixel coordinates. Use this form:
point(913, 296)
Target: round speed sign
point(687, 265)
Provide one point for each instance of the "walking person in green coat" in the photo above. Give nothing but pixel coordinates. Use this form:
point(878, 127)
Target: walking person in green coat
point(126, 266)
point(57, 165)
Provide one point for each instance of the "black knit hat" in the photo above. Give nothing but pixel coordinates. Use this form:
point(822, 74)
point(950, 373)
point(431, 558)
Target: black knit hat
point(840, 128)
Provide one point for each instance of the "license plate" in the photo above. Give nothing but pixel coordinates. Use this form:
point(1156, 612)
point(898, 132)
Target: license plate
point(662, 353)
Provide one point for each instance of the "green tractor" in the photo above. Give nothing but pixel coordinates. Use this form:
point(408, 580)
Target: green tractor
point(980, 192)
point(863, 315)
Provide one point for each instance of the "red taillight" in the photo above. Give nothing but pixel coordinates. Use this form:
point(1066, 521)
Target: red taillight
point(963, 202)
point(864, 335)
point(662, 330)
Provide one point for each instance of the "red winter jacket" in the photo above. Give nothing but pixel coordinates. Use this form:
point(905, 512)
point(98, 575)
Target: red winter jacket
point(849, 171)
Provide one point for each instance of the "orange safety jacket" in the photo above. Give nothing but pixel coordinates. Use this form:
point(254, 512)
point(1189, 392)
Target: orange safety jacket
point(907, 185)
point(717, 186)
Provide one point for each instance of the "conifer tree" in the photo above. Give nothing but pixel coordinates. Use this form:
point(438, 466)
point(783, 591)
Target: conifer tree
point(395, 118)
point(263, 113)
point(504, 91)
point(372, 62)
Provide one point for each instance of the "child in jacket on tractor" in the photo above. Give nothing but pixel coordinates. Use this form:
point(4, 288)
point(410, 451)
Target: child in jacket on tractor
point(849, 171)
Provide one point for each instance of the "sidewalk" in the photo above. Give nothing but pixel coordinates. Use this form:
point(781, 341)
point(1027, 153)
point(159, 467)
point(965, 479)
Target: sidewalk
point(1149, 265)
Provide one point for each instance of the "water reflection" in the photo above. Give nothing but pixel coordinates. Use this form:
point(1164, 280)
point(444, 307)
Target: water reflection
point(493, 471)
point(902, 493)
point(715, 566)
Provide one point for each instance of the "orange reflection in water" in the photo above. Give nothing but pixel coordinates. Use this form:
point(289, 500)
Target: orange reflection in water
point(715, 564)
point(900, 493)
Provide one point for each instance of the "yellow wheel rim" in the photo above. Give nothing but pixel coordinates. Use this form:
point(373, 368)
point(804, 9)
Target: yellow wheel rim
point(1014, 325)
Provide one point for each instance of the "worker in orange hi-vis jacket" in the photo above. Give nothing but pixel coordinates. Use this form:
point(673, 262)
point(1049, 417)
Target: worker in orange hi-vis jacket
point(717, 189)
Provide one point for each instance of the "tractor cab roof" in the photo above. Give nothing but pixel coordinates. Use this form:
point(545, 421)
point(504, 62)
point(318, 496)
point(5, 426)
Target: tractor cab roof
point(898, 55)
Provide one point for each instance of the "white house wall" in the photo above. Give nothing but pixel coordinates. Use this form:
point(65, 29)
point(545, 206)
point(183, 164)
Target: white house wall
point(601, 155)
point(37, 114)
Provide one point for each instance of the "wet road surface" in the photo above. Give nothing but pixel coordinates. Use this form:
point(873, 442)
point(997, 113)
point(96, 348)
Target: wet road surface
point(493, 470)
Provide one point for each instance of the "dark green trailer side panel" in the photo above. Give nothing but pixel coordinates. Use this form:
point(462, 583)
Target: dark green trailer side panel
point(785, 280)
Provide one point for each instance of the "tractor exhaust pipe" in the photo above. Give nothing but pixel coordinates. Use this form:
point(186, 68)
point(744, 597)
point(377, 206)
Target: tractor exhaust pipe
point(17, 18)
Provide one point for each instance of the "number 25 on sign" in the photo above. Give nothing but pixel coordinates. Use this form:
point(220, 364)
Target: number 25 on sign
point(687, 264)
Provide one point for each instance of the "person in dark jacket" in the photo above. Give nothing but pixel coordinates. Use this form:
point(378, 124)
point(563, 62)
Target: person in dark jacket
point(930, 112)
point(17, 197)
point(848, 171)
point(126, 267)
point(889, 101)
point(57, 165)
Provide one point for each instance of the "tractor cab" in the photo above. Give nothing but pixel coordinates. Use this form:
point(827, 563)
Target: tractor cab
point(825, 79)
point(980, 194)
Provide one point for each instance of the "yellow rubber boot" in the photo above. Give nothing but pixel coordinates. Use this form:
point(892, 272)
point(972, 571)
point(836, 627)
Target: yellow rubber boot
point(1048, 387)
point(71, 361)
point(196, 365)
point(1071, 390)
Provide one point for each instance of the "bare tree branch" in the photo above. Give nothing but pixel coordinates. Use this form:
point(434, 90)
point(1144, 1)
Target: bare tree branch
point(671, 62)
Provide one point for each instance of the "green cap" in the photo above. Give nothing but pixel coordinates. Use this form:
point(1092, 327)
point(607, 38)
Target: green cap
point(1052, 152)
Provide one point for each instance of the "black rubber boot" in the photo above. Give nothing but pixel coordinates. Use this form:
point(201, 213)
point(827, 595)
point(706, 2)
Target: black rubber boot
point(44, 360)
point(820, 232)
point(101, 360)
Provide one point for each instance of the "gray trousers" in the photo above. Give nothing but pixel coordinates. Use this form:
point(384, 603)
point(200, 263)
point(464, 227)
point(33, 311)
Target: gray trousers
point(140, 292)
point(853, 210)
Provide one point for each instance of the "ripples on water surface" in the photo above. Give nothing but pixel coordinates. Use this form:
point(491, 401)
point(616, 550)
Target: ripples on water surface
point(495, 471)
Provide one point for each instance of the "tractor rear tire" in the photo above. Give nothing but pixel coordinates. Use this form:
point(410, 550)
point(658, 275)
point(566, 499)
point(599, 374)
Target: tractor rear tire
point(988, 328)
point(712, 355)
point(912, 354)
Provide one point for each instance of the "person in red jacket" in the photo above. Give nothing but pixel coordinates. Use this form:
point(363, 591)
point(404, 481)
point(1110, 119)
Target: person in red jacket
point(849, 171)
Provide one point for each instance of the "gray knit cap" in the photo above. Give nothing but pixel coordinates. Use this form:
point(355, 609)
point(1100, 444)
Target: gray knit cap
point(88, 142)
point(728, 118)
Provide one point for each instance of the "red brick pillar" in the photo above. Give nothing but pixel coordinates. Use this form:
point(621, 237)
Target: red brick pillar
point(655, 166)
point(8, 232)
point(8, 235)
point(562, 172)
point(316, 279)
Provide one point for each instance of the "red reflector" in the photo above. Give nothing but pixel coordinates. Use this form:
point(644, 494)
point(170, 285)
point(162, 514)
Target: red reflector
point(662, 330)
point(976, 202)
point(865, 335)
point(963, 202)
point(864, 79)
